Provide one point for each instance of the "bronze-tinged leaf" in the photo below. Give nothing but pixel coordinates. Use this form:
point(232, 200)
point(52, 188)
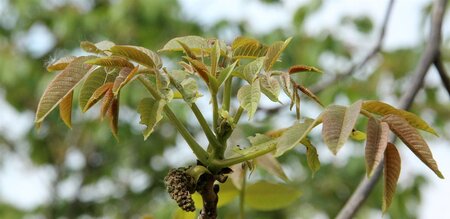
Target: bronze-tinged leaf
point(303, 68)
point(392, 167)
point(125, 76)
point(65, 109)
point(113, 116)
point(338, 123)
point(93, 81)
point(187, 50)
point(377, 138)
point(274, 52)
point(61, 85)
point(411, 137)
point(138, 54)
point(107, 101)
point(310, 94)
point(90, 47)
point(111, 61)
point(200, 68)
point(97, 95)
point(383, 109)
point(61, 63)
point(244, 47)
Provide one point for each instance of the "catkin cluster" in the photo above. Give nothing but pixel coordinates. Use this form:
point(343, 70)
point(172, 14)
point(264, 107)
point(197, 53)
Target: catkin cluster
point(180, 185)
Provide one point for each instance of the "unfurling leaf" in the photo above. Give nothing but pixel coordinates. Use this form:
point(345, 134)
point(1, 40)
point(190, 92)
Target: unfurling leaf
point(244, 47)
point(293, 135)
point(303, 68)
point(215, 56)
point(285, 81)
point(65, 109)
point(113, 116)
point(90, 47)
point(392, 167)
point(61, 63)
point(151, 113)
point(312, 158)
point(106, 104)
point(383, 109)
point(310, 94)
point(338, 123)
point(111, 61)
point(248, 96)
point(266, 196)
point(200, 68)
point(138, 54)
point(225, 73)
point(273, 53)
point(270, 87)
point(61, 85)
point(94, 80)
point(411, 137)
point(377, 138)
point(187, 50)
point(125, 76)
point(97, 95)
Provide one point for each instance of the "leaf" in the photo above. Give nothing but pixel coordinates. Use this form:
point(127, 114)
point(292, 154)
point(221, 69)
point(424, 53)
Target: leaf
point(248, 97)
point(244, 47)
point(111, 61)
point(293, 135)
point(338, 123)
point(250, 71)
point(392, 167)
point(195, 43)
point(90, 47)
point(285, 81)
point(180, 214)
point(125, 76)
point(138, 54)
point(266, 196)
point(225, 73)
point(215, 56)
point(312, 158)
point(383, 109)
point(61, 63)
point(113, 116)
point(94, 80)
point(61, 85)
point(187, 50)
point(273, 53)
point(310, 94)
point(303, 68)
point(151, 113)
point(97, 95)
point(200, 68)
point(65, 109)
point(190, 90)
point(270, 87)
point(377, 139)
point(409, 135)
point(106, 104)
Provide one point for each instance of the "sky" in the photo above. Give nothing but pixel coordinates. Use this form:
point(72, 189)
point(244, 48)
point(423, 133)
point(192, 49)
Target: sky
point(21, 182)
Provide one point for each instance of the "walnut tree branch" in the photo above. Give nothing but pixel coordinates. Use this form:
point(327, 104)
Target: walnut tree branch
point(442, 73)
point(428, 57)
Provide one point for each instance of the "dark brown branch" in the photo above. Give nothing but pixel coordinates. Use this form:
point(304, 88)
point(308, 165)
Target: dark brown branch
point(432, 50)
point(208, 191)
point(375, 50)
point(442, 73)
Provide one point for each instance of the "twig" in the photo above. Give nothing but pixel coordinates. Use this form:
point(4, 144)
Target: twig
point(367, 184)
point(442, 73)
point(321, 86)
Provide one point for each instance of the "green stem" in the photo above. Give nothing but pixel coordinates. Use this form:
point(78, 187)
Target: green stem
point(242, 192)
point(215, 111)
point(199, 152)
point(238, 115)
point(227, 94)
point(201, 119)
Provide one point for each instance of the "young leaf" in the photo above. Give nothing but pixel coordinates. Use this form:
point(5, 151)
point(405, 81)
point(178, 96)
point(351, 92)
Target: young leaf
point(225, 73)
point(138, 54)
point(61, 85)
point(310, 94)
point(270, 87)
point(285, 81)
point(195, 43)
point(106, 104)
point(94, 80)
point(111, 61)
point(377, 138)
point(383, 109)
point(215, 56)
point(97, 95)
point(338, 123)
point(392, 167)
point(251, 70)
point(61, 63)
point(266, 196)
point(125, 76)
point(303, 68)
point(409, 135)
point(190, 90)
point(243, 47)
point(200, 68)
point(65, 109)
point(248, 96)
point(312, 158)
point(113, 116)
point(90, 47)
point(273, 53)
point(293, 135)
point(151, 113)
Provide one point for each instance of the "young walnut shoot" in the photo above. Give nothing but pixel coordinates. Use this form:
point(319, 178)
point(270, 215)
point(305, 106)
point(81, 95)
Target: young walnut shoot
point(244, 68)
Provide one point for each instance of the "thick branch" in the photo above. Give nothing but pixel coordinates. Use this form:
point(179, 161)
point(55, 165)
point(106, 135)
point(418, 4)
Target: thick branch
point(431, 51)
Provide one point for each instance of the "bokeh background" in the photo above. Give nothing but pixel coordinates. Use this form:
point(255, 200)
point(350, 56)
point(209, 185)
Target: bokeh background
point(85, 173)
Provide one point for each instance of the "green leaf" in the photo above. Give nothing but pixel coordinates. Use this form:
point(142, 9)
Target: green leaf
point(248, 96)
point(392, 168)
point(377, 139)
point(180, 214)
point(312, 158)
point(338, 123)
point(61, 63)
point(244, 47)
point(94, 80)
point(270, 87)
point(138, 54)
point(271, 165)
point(225, 73)
point(151, 113)
point(195, 43)
point(111, 61)
point(125, 76)
point(273, 53)
point(266, 196)
point(383, 109)
point(190, 90)
point(250, 71)
point(61, 85)
point(293, 135)
point(65, 109)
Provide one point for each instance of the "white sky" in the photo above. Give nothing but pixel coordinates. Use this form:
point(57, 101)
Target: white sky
point(27, 186)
